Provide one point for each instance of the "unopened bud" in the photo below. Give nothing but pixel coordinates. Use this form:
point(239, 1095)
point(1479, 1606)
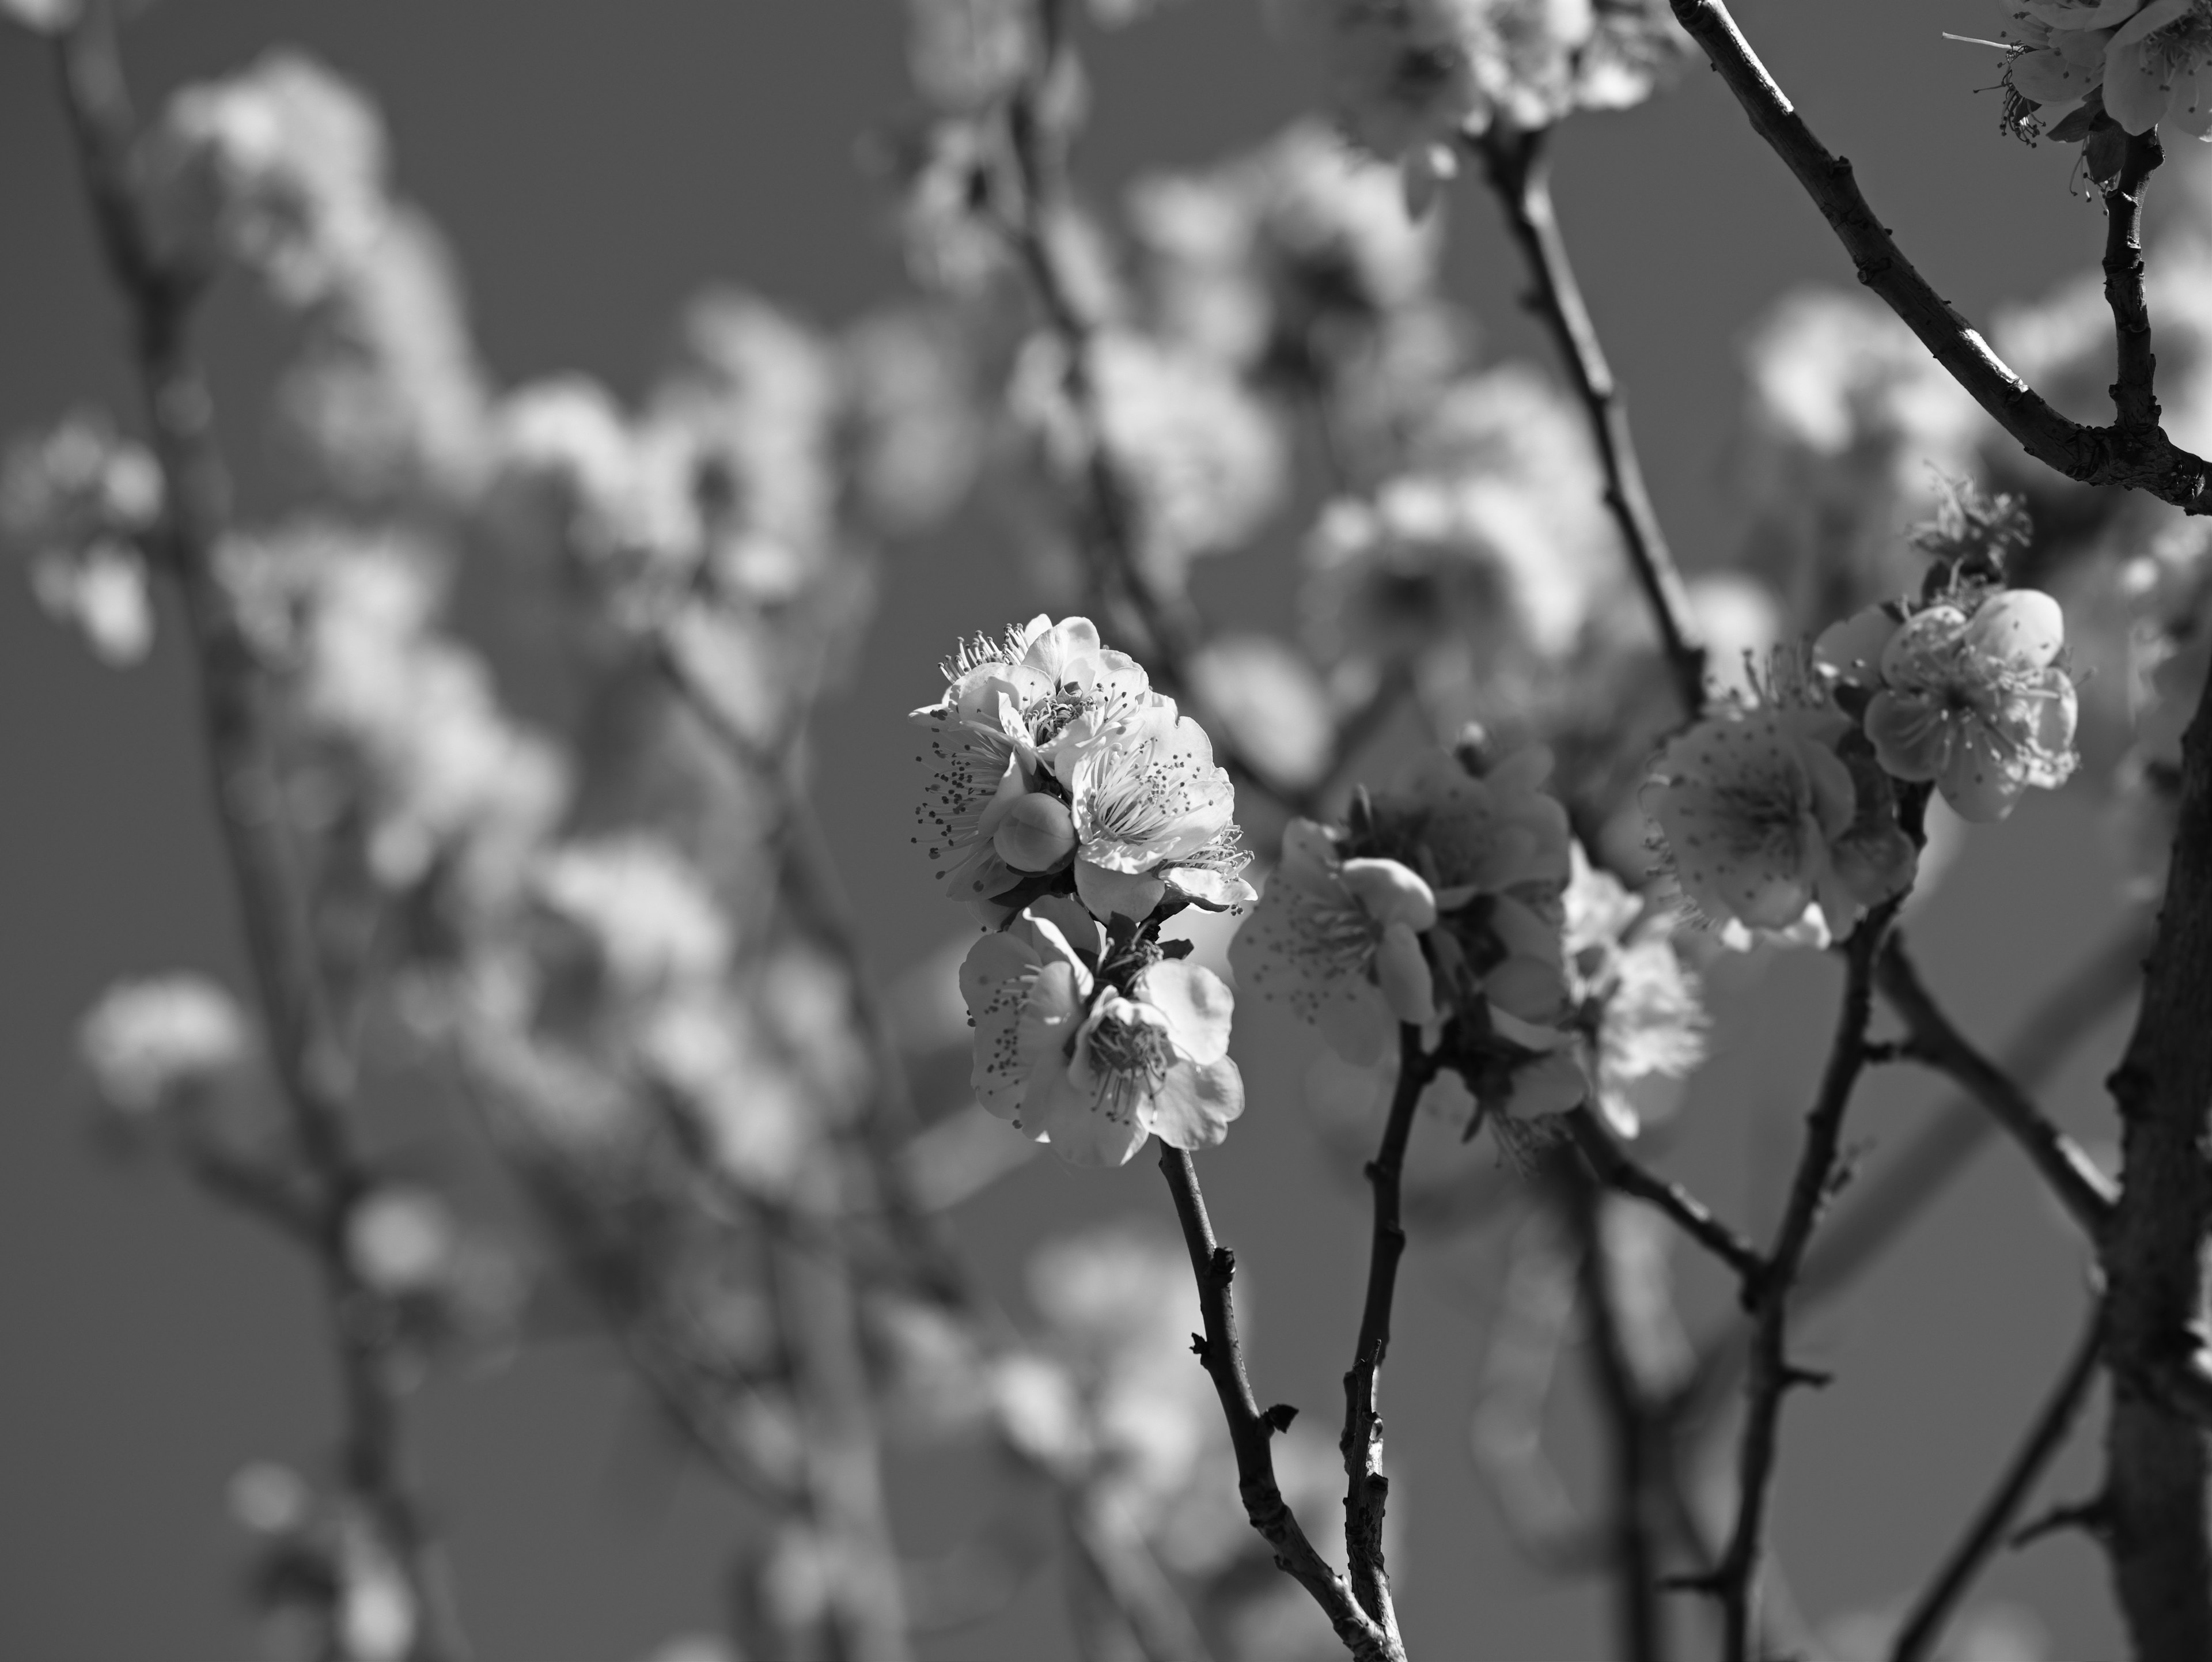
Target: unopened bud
point(1036, 834)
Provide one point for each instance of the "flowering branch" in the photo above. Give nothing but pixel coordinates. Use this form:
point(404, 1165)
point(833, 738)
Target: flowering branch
point(2138, 457)
point(1520, 173)
point(311, 1059)
point(2086, 1192)
point(1614, 1168)
point(1221, 1353)
point(1366, 1490)
point(2135, 399)
point(2046, 1435)
point(1734, 1581)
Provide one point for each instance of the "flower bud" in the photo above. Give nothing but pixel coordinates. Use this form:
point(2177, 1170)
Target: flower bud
point(1036, 834)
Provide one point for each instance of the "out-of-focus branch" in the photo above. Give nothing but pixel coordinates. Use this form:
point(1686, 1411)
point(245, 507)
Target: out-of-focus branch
point(1734, 1581)
point(1367, 1491)
point(2085, 1191)
point(1519, 172)
point(312, 1061)
point(1616, 1169)
point(2153, 1256)
point(2140, 457)
point(1221, 1353)
point(1923, 1627)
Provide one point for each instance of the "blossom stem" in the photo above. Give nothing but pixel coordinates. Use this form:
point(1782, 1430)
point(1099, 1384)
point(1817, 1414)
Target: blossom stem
point(1614, 1166)
point(1734, 1581)
point(2135, 397)
point(2085, 1191)
point(1221, 1353)
point(2153, 1256)
point(1367, 1491)
point(2046, 1435)
point(1519, 172)
point(312, 1061)
point(2142, 459)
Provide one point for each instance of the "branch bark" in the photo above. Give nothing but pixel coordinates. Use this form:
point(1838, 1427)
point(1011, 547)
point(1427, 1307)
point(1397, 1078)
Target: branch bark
point(1519, 172)
point(1614, 1168)
point(1221, 1353)
point(2138, 457)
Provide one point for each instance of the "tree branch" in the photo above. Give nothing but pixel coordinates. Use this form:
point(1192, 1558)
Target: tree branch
point(1735, 1579)
point(312, 1061)
point(1221, 1353)
point(2046, 1435)
point(1519, 172)
point(1617, 1170)
point(2135, 397)
point(2139, 458)
point(2085, 1191)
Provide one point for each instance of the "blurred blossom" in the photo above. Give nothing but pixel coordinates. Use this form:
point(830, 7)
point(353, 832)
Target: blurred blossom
point(269, 1499)
point(918, 428)
point(649, 915)
point(286, 161)
point(966, 53)
point(693, 1647)
point(386, 398)
point(47, 16)
point(1199, 460)
point(147, 1044)
point(1270, 702)
point(1740, 624)
point(1638, 1243)
point(376, 1613)
point(1639, 1009)
point(401, 1239)
point(2170, 590)
point(76, 503)
point(1119, 14)
point(1411, 75)
point(758, 1118)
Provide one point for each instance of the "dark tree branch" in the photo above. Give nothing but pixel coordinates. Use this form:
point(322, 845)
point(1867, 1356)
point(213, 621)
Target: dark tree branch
point(1222, 1355)
point(2135, 397)
point(312, 1062)
point(1617, 1170)
point(1735, 1579)
point(1520, 173)
point(2046, 1435)
point(2139, 458)
point(2152, 1254)
point(1367, 1491)
point(2086, 1192)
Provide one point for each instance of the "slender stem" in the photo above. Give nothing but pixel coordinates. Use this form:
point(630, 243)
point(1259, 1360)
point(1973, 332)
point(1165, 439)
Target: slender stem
point(1735, 1579)
point(2142, 459)
point(2085, 1191)
point(313, 1062)
point(1633, 1522)
point(2153, 1256)
point(1367, 1491)
point(1519, 172)
point(1614, 1168)
point(1221, 1353)
point(2046, 1435)
point(2134, 396)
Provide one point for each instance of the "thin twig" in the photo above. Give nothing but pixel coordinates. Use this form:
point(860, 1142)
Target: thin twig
point(1617, 1170)
point(1221, 1353)
point(1519, 172)
point(312, 1061)
point(2085, 1191)
point(1367, 1491)
point(2046, 1435)
point(2142, 459)
point(1735, 1579)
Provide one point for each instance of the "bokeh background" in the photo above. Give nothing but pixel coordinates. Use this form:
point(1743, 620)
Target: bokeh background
point(595, 162)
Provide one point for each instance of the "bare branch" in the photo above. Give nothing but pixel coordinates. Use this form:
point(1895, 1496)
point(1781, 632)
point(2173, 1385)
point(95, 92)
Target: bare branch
point(2046, 1435)
point(2086, 1192)
point(1520, 173)
point(1615, 1168)
point(1222, 1355)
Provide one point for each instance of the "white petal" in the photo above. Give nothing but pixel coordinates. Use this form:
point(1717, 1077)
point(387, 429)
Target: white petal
point(1195, 1104)
point(1197, 1003)
point(1390, 893)
point(1403, 976)
point(1111, 893)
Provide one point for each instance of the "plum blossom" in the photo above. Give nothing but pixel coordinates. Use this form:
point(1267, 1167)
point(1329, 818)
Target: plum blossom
point(1968, 693)
point(1768, 830)
point(1092, 1068)
point(147, 1044)
point(2141, 63)
point(1637, 1006)
point(2155, 68)
point(76, 502)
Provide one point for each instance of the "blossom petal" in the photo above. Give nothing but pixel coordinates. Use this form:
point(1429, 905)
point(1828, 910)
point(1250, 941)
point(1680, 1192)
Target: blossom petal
point(1980, 779)
point(1111, 893)
point(1197, 1003)
point(1070, 1114)
point(1403, 976)
point(1390, 893)
point(1851, 650)
point(2047, 77)
point(1356, 1022)
point(1553, 1085)
point(1910, 736)
point(1195, 1102)
point(1217, 891)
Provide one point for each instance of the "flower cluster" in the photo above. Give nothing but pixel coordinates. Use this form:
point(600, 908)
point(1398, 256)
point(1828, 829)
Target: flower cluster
point(2140, 63)
point(1775, 817)
point(1068, 792)
point(1636, 1007)
point(76, 503)
point(1440, 902)
point(148, 1044)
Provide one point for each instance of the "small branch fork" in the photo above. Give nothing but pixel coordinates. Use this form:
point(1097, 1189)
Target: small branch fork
point(1222, 1355)
point(1992, 1524)
point(1519, 172)
point(313, 1060)
point(2134, 451)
